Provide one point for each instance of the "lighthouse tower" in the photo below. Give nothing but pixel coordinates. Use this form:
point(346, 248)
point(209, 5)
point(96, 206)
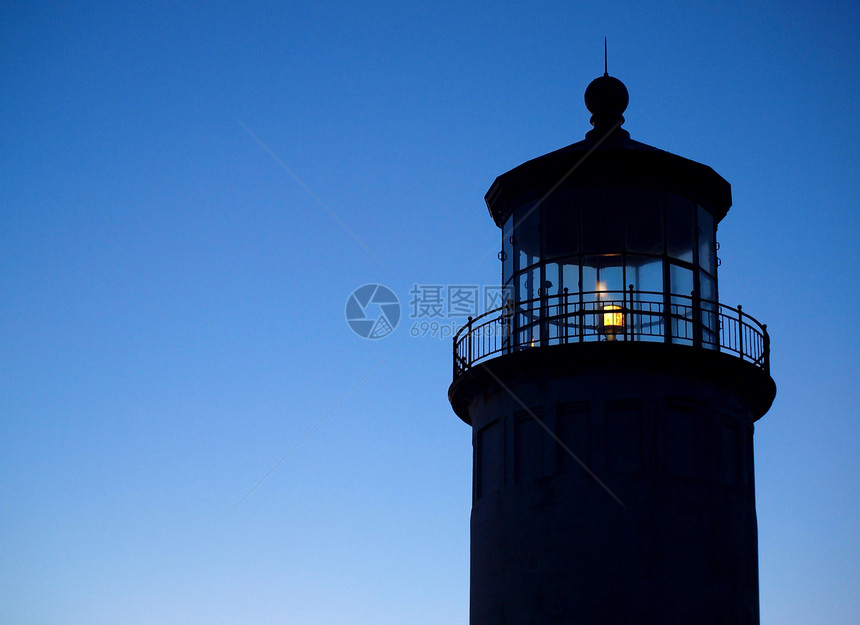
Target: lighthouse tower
point(612, 398)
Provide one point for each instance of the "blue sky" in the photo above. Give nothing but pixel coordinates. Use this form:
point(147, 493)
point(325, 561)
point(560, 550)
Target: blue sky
point(172, 295)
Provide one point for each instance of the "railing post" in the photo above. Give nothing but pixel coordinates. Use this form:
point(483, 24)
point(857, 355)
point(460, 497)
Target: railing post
point(564, 315)
point(740, 332)
point(543, 339)
point(765, 354)
point(630, 315)
point(469, 343)
point(667, 315)
point(697, 319)
point(507, 328)
point(721, 328)
point(580, 323)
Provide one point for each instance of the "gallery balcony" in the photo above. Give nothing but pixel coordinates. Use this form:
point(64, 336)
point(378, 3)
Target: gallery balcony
point(611, 316)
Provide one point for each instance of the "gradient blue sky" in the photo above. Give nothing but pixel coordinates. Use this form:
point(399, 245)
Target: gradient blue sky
point(172, 299)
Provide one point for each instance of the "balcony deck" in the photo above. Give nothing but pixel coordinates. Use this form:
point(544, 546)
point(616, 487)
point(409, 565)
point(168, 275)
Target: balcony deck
point(586, 317)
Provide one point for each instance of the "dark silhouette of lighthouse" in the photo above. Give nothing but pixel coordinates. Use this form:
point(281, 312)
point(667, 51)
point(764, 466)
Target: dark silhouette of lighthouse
point(612, 398)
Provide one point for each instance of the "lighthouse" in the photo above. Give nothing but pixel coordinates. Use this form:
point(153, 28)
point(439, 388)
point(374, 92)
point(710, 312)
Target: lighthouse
point(612, 398)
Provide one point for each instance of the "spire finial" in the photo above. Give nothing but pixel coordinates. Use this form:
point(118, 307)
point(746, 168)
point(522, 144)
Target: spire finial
point(606, 97)
point(605, 59)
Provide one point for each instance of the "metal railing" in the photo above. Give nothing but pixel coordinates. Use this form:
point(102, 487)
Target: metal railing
point(611, 316)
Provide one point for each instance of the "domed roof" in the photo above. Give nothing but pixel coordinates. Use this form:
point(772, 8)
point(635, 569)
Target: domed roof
point(608, 156)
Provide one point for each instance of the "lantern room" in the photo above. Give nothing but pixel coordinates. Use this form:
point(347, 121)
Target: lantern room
point(609, 239)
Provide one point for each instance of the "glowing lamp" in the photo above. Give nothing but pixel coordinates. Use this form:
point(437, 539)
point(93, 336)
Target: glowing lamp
point(613, 319)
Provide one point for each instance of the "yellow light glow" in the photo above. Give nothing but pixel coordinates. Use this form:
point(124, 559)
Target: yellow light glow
point(613, 319)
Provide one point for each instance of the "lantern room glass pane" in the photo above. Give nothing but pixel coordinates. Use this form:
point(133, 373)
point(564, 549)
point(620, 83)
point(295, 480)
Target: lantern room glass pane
point(710, 326)
point(602, 277)
point(679, 227)
point(528, 284)
point(508, 250)
point(561, 225)
point(570, 278)
point(610, 280)
point(707, 287)
point(681, 308)
point(553, 304)
point(527, 316)
point(707, 242)
point(570, 281)
point(681, 281)
point(588, 287)
point(644, 221)
point(527, 235)
point(650, 276)
point(708, 305)
point(552, 279)
point(602, 220)
point(645, 273)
